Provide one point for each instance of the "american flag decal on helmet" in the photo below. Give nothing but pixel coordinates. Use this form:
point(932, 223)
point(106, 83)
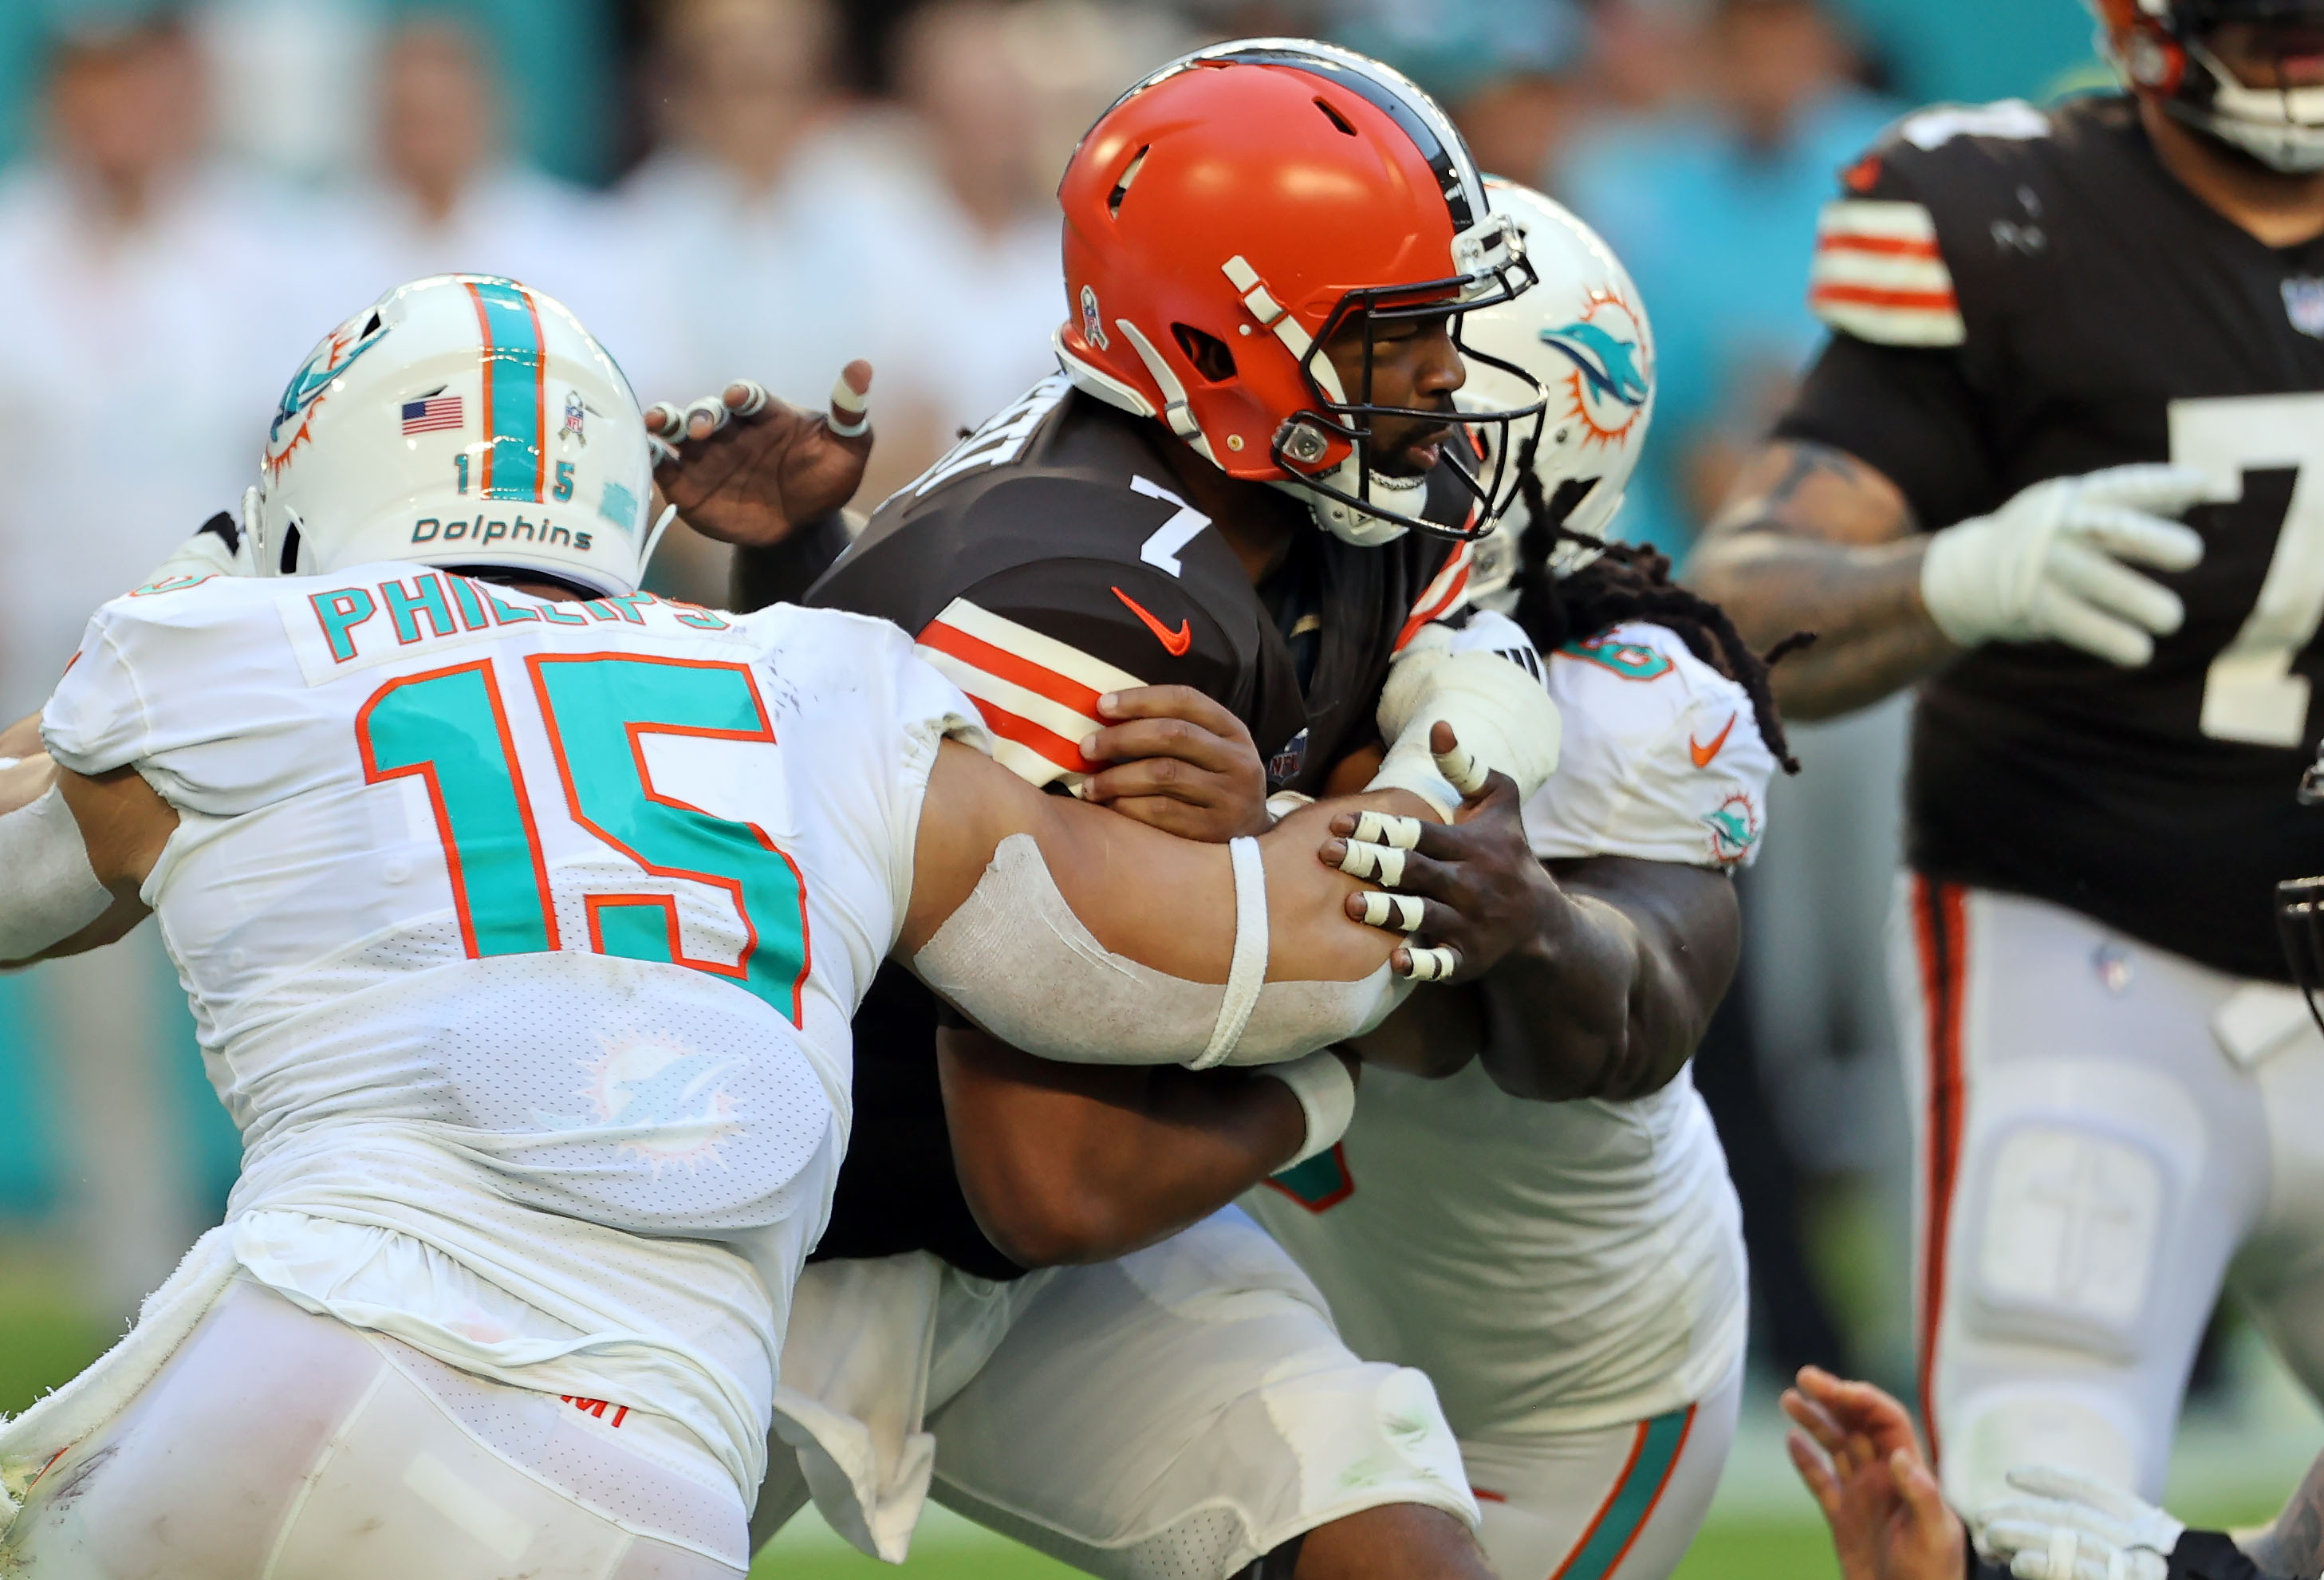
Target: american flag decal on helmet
point(1879, 275)
point(1039, 696)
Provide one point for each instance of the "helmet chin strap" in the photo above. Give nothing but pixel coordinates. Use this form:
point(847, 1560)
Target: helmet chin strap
point(1349, 523)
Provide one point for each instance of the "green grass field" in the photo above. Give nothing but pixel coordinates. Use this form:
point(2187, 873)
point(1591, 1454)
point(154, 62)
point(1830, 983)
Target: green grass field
point(2229, 1472)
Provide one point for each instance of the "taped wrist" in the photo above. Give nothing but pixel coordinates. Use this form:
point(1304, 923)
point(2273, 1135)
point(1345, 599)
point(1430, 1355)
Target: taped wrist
point(1016, 960)
point(52, 891)
point(1327, 1096)
point(1501, 716)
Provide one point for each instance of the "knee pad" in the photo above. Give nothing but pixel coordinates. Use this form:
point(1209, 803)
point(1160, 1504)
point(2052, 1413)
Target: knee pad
point(2070, 1222)
point(1990, 1433)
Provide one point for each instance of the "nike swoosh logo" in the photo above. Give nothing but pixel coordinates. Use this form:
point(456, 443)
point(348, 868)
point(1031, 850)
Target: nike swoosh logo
point(1175, 642)
point(1703, 754)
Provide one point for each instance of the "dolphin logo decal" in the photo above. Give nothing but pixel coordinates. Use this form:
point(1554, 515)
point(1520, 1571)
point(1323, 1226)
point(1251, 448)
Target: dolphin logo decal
point(1609, 366)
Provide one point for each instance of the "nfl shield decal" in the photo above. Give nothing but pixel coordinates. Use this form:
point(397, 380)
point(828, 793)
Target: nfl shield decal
point(2303, 304)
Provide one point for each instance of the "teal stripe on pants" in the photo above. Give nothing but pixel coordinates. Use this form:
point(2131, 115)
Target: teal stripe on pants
point(1633, 1499)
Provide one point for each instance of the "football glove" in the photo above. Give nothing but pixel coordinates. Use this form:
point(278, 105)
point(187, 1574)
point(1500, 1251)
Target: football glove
point(2048, 566)
point(2068, 1527)
point(220, 548)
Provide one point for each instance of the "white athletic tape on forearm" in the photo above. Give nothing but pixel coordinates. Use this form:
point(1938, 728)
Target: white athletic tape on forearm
point(1327, 1096)
point(1432, 964)
point(1381, 863)
point(1247, 970)
point(52, 892)
point(1405, 909)
point(851, 413)
point(1500, 715)
point(1387, 829)
point(1017, 960)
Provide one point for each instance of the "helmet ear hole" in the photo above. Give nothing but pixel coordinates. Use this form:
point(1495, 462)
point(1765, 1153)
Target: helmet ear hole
point(289, 565)
point(1121, 183)
point(1334, 116)
point(1212, 357)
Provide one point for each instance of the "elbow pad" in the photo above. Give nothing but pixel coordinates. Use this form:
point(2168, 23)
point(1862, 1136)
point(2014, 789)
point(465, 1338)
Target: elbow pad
point(52, 891)
point(1501, 714)
point(1016, 960)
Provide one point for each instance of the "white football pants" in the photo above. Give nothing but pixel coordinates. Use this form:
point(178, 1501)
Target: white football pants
point(1621, 1503)
point(279, 1446)
point(2104, 1134)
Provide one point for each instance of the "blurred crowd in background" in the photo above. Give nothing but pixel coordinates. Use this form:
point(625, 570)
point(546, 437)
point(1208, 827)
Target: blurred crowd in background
point(769, 187)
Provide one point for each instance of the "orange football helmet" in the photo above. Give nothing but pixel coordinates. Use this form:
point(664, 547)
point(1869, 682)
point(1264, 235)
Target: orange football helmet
point(2161, 48)
point(1233, 212)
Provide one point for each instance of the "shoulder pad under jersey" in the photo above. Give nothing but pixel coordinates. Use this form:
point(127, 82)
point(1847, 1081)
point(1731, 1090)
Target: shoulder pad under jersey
point(1916, 217)
point(1662, 758)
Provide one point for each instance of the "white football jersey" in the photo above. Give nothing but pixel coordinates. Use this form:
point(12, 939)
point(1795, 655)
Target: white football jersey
point(523, 938)
point(1557, 1267)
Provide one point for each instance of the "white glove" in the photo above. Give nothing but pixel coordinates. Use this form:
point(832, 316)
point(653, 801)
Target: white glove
point(2047, 566)
point(207, 553)
point(2071, 1527)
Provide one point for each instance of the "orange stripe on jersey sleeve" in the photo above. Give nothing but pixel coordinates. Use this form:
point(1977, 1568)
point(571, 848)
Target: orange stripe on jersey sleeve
point(1936, 301)
point(1439, 598)
point(1887, 246)
point(1007, 666)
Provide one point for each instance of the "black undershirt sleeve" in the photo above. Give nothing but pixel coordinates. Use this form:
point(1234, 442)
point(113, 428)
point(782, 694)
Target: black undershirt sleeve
point(783, 572)
point(1906, 411)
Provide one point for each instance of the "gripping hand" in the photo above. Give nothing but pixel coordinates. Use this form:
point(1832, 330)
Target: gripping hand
point(2068, 1527)
point(2050, 564)
point(745, 468)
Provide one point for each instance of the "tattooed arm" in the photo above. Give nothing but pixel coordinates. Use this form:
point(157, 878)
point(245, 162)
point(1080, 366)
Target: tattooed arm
point(2291, 1547)
point(1812, 539)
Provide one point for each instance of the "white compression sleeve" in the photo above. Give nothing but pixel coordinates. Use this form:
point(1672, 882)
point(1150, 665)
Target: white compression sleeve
point(52, 892)
point(1017, 960)
point(1327, 1096)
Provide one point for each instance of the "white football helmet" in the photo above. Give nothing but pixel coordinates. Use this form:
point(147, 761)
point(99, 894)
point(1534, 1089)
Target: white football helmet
point(463, 419)
point(1582, 333)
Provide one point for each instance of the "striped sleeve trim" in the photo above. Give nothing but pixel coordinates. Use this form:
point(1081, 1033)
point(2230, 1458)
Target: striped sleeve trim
point(1880, 275)
point(1039, 696)
point(1441, 597)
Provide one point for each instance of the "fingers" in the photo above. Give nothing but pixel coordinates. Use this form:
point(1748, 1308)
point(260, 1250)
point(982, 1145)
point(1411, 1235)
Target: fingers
point(1360, 858)
point(851, 408)
point(663, 420)
point(1822, 1486)
point(1923, 1497)
point(2068, 619)
point(1167, 778)
point(746, 398)
point(1456, 763)
point(1174, 741)
point(2164, 490)
point(2112, 587)
point(1402, 913)
point(1815, 1420)
point(1179, 702)
point(2131, 534)
point(1425, 964)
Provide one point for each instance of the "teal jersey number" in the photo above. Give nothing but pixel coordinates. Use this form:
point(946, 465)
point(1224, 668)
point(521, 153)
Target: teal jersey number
point(599, 706)
point(446, 728)
point(449, 729)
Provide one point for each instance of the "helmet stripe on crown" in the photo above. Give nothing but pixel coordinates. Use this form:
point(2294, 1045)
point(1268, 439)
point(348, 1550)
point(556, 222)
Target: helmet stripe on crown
point(516, 393)
point(1439, 145)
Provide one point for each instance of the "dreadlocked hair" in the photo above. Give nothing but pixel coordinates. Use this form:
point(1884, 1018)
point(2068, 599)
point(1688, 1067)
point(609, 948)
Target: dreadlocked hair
point(1631, 581)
